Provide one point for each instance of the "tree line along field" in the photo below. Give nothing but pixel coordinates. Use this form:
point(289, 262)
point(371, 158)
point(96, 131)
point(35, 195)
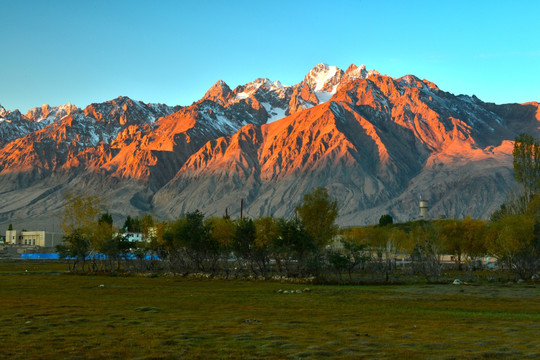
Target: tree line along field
point(310, 244)
point(48, 313)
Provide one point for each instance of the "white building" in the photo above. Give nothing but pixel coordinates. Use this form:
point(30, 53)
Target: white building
point(133, 237)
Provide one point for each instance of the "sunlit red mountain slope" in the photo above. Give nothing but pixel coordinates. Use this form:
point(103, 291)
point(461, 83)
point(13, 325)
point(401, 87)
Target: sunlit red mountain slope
point(377, 143)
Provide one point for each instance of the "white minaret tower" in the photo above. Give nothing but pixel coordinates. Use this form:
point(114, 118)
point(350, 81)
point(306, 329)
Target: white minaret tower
point(423, 208)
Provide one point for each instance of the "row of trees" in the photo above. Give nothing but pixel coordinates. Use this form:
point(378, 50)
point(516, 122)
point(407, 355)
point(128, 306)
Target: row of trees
point(300, 247)
point(193, 243)
point(513, 240)
point(297, 248)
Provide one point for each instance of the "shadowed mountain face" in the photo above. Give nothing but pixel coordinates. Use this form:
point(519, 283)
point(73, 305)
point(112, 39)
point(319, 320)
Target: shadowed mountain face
point(377, 143)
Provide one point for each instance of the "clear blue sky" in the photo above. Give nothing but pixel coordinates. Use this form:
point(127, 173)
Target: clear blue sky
point(172, 51)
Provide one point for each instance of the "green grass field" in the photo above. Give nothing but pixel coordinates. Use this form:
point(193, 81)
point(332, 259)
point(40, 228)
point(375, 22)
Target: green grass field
point(47, 314)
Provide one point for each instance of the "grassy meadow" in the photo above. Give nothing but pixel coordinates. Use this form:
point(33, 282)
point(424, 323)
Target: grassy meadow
point(48, 314)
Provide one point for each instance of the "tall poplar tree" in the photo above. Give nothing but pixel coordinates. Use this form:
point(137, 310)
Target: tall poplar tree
point(527, 163)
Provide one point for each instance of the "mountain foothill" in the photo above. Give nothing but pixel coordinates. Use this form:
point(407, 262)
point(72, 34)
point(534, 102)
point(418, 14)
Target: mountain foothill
point(377, 143)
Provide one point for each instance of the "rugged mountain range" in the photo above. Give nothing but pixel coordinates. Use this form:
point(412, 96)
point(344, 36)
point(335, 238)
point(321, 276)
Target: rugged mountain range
point(377, 143)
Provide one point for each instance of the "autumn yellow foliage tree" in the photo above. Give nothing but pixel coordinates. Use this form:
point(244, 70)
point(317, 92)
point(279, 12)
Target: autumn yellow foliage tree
point(79, 221)
point(474, 241)
point(514, 240)
point(222, 230)
point(80, 212)
point(453, 239)
point(318, 213)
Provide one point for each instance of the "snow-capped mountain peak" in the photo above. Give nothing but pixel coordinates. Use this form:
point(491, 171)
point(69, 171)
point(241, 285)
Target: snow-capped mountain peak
point(47, 114)
point(354, 72)
point(277, 84)
point(264, 83)
point(323, 81)
point(323, 78)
